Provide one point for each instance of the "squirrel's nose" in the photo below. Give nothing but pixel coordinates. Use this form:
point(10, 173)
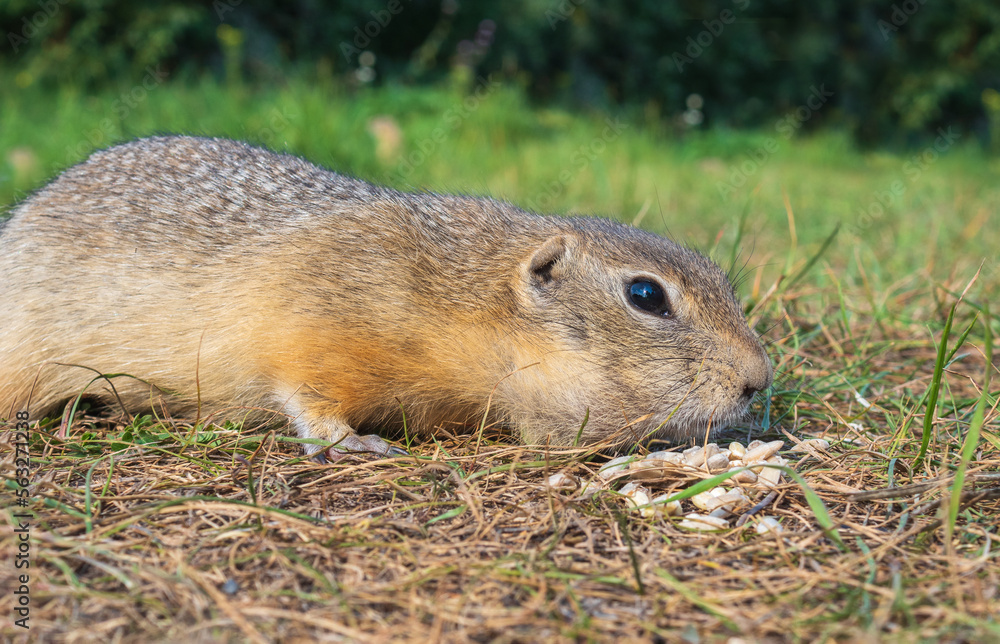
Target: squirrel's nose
point(749, 391)
point(758, 377)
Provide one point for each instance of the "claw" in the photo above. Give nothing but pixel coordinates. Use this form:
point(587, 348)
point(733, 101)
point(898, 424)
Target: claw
point(396, 451)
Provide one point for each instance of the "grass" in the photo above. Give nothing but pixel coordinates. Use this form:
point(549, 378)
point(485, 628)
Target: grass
point(161, 529)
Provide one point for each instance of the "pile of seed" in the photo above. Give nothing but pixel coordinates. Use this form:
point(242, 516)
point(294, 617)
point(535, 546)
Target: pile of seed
point(755, 466)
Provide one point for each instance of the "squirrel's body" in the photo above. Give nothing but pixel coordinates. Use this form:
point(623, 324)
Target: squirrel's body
point(246, 282)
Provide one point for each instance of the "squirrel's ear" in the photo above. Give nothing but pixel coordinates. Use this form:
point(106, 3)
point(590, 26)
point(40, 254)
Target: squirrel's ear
point(548, 262)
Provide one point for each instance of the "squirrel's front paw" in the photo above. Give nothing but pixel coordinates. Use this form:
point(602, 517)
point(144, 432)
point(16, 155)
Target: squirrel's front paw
point(353, 443)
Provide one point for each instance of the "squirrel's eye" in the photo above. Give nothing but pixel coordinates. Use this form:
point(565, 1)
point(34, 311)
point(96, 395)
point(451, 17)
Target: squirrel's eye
point(649, 297)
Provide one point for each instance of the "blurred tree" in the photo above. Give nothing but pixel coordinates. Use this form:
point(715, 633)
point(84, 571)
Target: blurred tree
point(897, 71)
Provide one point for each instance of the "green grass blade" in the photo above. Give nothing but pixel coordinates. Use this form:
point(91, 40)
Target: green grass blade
point(633, 559)
point(935, 388)
point(454, 512)
point(579, 433)
point(961, 340)
point(701, 486)
point(812, 260)
point(972, 436)
point(88, 498)
point(817, 506)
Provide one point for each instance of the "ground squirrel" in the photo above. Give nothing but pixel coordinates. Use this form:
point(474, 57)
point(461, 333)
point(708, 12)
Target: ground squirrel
point(257, 282)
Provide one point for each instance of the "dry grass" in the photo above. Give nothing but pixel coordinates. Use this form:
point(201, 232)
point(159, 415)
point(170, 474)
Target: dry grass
point(218, 535)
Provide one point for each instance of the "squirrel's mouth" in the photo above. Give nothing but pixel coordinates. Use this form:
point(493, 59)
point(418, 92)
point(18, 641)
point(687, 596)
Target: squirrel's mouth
point(687, 421)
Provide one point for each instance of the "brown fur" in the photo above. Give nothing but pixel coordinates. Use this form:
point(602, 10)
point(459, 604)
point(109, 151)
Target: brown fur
point(281, 285)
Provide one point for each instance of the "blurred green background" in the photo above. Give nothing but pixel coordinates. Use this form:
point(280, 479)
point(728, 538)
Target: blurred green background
point(747, 128)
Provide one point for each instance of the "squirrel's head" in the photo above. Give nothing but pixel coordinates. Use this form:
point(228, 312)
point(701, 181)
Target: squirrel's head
point(642, 336)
